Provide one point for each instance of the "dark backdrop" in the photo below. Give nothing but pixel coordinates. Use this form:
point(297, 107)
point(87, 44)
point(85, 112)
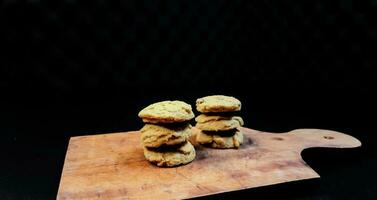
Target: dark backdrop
point(71, 68)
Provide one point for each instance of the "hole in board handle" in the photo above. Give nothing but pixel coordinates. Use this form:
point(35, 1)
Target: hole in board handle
point(277, 138)
point(328, 137)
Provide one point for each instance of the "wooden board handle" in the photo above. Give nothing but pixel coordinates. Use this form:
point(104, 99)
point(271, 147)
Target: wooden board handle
point(308, 138)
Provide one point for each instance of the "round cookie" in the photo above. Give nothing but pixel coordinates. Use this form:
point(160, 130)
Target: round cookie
point(157, 135)
point(182, 155)
point(167, 112)
point(202, 118)
point(221, 142)
point(218, 123)
point(217, 103)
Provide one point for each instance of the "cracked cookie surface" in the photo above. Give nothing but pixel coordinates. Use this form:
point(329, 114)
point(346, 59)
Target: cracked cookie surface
point(218, 123)
point(157, 135)
point(217, 103)
point(167, 112)
point(219, 141)
point(184, 154)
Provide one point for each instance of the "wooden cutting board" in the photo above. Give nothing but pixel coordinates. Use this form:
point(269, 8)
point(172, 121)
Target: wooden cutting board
point(112, 166)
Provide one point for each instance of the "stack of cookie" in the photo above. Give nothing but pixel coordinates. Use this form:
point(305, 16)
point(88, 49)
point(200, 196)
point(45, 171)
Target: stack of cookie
point(218, 123)
point(166, 132)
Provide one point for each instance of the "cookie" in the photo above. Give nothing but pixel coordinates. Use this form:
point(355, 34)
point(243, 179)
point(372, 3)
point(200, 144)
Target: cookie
point(167, 112)
point(202, 118)
point(157, 135)
point(221, 142)
point(184, 154)
point(218, 123)
point(217, 103)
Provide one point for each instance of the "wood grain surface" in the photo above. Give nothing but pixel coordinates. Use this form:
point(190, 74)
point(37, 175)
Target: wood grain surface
point(112, 166)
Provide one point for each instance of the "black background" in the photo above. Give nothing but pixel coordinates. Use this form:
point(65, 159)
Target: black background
point(71, 68)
